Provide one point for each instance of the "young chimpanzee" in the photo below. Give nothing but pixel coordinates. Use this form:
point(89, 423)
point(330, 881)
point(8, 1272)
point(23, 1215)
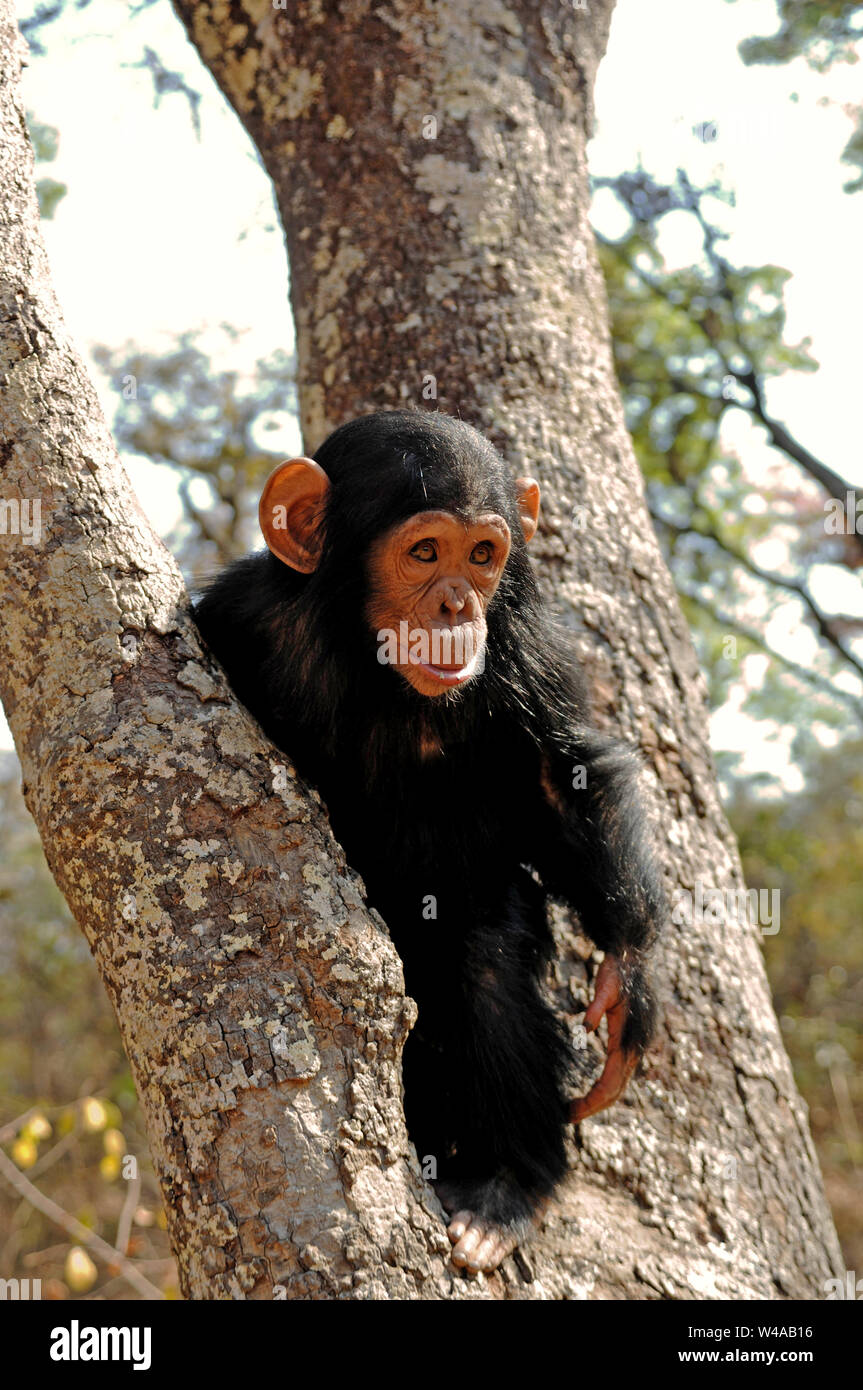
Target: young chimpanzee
point(392, 640)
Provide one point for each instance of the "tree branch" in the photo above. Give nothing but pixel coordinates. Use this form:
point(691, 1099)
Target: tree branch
point(74, 1228)
point(821, 620)
point(726, 620)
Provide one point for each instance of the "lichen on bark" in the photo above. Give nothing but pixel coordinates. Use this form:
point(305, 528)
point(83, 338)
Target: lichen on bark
point(260, 1002)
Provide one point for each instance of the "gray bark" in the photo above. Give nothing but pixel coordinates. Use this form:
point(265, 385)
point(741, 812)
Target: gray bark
point(260, 1003)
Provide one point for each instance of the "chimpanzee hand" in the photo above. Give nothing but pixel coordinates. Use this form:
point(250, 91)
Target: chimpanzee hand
point(609, 1000)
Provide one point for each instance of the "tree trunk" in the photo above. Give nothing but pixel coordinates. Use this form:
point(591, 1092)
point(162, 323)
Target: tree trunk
point(429, 162)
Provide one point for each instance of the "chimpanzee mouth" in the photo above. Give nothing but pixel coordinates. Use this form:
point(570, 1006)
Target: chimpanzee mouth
point(451, 675)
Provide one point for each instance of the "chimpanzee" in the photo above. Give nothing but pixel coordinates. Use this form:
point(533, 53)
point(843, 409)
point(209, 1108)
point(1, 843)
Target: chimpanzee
point(393, 642)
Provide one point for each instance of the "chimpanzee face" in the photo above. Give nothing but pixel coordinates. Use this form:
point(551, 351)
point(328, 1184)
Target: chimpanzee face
point(430, 581)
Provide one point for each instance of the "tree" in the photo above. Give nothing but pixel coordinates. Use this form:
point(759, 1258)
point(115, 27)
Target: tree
point(430, 171)
point(803, 846)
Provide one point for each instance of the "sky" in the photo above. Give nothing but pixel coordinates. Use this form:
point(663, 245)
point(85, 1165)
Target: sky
point(162, 232)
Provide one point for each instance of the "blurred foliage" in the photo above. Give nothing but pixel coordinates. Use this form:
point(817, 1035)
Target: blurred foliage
point(210, 429)
point(810, 847)
point(42, 14)
point(169, 83)
point(63, 1071)
point(45, 140)
point(692, 346)
point(823, 32)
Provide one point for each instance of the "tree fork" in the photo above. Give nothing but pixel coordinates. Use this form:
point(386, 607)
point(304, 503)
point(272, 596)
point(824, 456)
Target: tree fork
point(261, 1004)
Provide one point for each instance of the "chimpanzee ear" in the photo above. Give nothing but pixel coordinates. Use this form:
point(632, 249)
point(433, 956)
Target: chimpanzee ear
point(527, 491)
point(290, 511)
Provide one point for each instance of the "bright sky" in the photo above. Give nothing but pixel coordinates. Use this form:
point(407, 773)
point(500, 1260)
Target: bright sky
point(161, 233)
point(780, 156)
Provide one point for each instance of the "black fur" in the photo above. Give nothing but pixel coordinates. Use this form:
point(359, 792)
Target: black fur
point(487, 1064)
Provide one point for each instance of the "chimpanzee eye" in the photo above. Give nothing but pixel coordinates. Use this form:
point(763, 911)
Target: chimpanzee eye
point(424, 551)
point(482, 553)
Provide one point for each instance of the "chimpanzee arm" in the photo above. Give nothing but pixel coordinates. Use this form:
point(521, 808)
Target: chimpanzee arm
point(595, 854)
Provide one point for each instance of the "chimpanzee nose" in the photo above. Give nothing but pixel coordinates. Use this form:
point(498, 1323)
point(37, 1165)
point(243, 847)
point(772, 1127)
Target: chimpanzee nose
point(451, 600)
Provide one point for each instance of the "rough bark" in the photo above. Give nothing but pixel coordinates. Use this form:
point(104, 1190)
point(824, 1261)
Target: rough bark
point(260, 1003)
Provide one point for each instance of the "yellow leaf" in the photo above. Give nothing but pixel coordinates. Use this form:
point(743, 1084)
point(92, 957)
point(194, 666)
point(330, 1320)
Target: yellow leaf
point(37, 1127)
point(114, 1142)
point(93, 1115)
point(24, 1152)
point(80, 1271)
point(109, 1167)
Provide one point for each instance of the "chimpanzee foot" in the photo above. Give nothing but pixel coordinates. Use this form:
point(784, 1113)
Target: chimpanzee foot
point(478, 1246)
point(487, 1220)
